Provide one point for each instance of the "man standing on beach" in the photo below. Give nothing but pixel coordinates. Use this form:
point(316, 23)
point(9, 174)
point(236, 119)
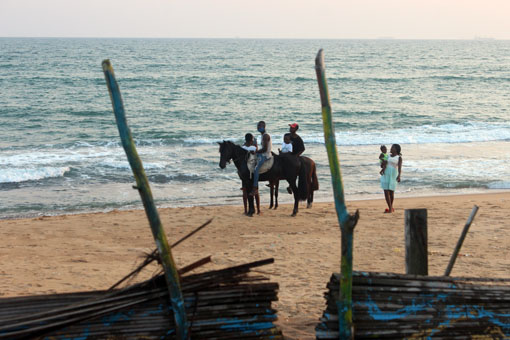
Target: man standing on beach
point(298, 147)
point(263, 154)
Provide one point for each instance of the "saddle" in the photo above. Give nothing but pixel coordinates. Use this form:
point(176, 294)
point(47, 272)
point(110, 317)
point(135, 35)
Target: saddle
point(252, 163)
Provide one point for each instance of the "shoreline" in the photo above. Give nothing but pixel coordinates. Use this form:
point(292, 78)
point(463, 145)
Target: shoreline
point(177, 186)
point(69, 253)
point(352, 198)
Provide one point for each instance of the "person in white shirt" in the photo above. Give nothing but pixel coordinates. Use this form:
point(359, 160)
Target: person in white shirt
point(263, 154)
point(287, 144)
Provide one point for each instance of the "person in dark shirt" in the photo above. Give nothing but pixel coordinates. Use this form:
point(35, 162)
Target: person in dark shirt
point(298, 147)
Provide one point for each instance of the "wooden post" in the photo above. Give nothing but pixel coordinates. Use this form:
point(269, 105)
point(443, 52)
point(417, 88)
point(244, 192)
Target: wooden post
point(416, 241)
point(347, 222)
point(460, 241)
point(142, 184)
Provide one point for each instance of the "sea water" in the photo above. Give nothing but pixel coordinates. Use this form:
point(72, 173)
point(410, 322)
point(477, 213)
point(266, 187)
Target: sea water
point(446, 103)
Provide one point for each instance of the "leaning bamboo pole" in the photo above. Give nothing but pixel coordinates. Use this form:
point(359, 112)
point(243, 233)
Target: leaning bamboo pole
point(347, 222)
point(456, 251)
point(142, 184)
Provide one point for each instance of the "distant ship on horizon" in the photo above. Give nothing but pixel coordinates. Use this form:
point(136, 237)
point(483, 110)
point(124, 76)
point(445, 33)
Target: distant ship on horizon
point(483, 38)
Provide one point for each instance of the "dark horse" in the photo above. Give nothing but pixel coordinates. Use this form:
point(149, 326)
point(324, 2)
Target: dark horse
point(288, 167)
point(312, 183)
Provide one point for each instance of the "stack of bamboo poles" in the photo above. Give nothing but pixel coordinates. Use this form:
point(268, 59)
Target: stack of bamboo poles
point(224, 304)
point(398, 306)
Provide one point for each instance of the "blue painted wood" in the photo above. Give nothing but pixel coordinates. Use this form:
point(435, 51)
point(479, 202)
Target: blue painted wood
point(400, 306)
point(142, 184)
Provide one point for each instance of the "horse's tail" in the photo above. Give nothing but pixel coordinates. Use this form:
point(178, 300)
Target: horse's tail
point(315, 180)
point(311, 173)
point(302, 184)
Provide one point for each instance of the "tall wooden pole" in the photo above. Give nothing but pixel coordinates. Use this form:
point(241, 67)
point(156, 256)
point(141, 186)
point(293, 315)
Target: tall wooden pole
point(142, 184)
point(416, 242)
point(347, 222)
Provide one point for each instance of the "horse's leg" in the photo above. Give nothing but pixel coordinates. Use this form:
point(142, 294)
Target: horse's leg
point(247, 186)
point(309, 186)
point(257, 199)
point(276, 186)
point(271, 190)
point(251, 208)
point(292, 184)
point(314, 181)
point(245, 201)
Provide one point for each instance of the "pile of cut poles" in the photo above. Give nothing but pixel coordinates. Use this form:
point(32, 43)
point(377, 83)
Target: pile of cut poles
point(230, 303)
point(398, 306)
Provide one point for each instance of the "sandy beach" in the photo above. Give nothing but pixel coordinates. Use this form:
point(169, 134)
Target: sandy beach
point(92, 251)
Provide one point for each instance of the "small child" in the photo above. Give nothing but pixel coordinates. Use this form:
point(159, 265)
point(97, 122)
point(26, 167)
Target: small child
point(287, 144)
point(383, 158)
point(248, 143)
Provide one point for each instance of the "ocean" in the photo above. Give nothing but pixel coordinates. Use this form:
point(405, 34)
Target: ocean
point(446, 103)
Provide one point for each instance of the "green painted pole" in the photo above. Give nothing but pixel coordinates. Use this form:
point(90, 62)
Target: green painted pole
point(347, 222)
point(142, 184)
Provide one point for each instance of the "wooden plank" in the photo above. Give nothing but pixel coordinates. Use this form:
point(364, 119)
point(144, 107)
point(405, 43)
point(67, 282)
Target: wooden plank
point(335, 277)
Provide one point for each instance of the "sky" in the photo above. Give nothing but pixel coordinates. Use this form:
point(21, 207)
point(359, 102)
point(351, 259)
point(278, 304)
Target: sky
point(273, 19)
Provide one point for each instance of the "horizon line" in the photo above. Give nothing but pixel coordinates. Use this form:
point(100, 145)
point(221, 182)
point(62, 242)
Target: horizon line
point(479, 38)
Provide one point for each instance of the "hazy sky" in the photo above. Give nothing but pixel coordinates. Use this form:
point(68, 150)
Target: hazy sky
point(408, 19)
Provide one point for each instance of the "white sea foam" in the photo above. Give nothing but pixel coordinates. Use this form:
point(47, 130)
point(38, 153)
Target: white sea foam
point(447, 133)
point(425, 134)
point(17, 175)
point(204, 140)
point(124, 164)
point(54, 156)
point(499, 185)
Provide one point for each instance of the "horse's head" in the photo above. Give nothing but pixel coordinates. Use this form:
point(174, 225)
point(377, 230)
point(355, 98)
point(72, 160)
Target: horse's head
point(226, 153)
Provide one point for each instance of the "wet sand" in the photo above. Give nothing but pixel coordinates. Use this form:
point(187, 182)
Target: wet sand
point(92, 251)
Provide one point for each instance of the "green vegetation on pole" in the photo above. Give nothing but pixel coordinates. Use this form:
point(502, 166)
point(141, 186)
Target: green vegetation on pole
point(347, 222)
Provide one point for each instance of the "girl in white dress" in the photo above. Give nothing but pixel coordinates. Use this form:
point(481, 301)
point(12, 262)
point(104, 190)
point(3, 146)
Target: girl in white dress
point(391, 175)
